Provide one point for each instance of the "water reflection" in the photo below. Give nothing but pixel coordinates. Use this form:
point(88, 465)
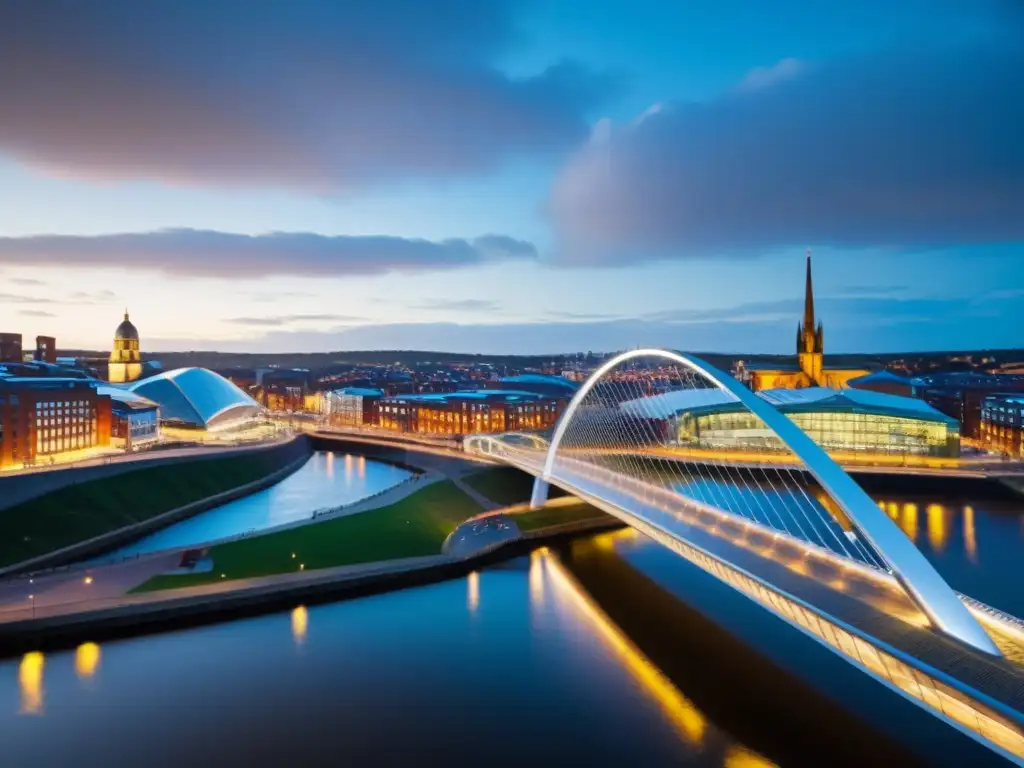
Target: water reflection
point(970, 542)
point(30, 681)
point(909, 520)
point(536, 577)
point(937, 526)
point(300, 624)
point(686, 718)
point(314, 486)
point(87, 660)
point(739, 757)
point(473, 591)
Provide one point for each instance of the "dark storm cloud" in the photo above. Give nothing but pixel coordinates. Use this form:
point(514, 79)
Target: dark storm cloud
point(311, 94)
point(204, 253)
point(902, 150)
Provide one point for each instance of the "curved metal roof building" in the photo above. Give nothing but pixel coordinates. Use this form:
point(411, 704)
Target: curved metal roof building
point(197, 397)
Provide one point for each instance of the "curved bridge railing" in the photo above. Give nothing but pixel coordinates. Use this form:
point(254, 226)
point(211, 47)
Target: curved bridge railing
point(651, 445)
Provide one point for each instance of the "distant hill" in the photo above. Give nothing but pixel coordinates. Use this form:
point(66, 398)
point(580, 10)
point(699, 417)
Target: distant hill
point(908, 362)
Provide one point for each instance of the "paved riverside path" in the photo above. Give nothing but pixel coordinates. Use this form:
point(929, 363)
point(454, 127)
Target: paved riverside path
point(82, 610)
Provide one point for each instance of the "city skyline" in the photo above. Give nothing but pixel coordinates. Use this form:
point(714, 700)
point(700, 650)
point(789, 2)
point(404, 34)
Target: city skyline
point(513, 178)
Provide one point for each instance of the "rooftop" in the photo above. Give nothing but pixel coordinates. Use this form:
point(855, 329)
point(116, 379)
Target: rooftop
point(810, 399)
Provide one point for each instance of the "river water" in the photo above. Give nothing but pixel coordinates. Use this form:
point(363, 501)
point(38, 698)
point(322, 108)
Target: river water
point(326, 480)
point(526, 663)
point(612, 651)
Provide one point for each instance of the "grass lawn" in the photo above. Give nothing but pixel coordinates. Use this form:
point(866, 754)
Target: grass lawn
point(549, 516)
point(85, 510)
point(506, 485)
point(413, 527)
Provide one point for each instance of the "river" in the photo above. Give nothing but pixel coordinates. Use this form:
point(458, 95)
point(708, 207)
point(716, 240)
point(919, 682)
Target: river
point(326, 480)
point(525, 663)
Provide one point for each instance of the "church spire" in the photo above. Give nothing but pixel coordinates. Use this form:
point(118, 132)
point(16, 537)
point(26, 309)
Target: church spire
point(809, 297)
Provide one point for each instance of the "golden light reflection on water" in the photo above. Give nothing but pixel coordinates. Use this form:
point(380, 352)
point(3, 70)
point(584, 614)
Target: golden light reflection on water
point(683, 715)
point(348, 468)
point(536, 577)
point(30, 680)
point(937, 529)
point(970, 542)
point(473, 591)
point(87, 660)
point(300, 624)
point(908, 522)
point(361, 468)
point(330, 464)
point(740, 757)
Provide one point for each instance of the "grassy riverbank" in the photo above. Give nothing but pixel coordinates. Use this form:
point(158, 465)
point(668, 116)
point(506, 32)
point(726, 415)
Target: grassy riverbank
point(413, 527)
point(547, 517)
point(83, 511)
point(506, 486)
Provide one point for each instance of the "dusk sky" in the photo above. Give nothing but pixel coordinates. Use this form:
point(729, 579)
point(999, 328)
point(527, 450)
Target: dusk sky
point(512, 176)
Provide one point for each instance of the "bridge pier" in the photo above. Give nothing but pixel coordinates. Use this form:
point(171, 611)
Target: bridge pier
point(539, 497)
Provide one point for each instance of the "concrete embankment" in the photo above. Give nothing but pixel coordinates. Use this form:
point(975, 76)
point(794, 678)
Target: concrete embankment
point(17, 488)
point(175, 609)
point(286, 456)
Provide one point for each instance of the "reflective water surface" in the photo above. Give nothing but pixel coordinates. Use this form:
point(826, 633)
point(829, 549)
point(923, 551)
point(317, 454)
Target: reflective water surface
point(326, 480)
point(977, 545)
point(511, 665)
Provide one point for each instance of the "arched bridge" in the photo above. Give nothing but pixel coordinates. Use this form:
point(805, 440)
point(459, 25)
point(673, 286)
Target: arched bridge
point(646, 438)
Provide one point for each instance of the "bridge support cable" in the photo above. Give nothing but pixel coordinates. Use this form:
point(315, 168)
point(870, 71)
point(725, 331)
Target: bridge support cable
point(692, 442)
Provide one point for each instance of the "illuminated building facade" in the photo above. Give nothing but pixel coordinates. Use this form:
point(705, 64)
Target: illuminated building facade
point(135, 420)
point(352, 406)
point(809, 370)
point(197, 398)
point(471, 412)
point(125, 358)
point(1002, 424)
point(842, 422)
point(43, 417)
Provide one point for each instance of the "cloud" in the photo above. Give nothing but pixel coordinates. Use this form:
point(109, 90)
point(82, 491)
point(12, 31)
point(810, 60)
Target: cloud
point(459, 305)
point(17, 298)
point(764, 77)
point(900, 150)
point(313, 95)
point(30, 281)
point(35, 313)
point(96, 297)
point(851, 325)
point(289, 319)
point(193, 252)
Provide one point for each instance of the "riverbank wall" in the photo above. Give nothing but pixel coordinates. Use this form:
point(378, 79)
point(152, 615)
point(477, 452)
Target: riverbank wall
point(168, 612)
point(282, 458)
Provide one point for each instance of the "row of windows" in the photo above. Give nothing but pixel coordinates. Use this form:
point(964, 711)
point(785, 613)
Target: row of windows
point(833, 431)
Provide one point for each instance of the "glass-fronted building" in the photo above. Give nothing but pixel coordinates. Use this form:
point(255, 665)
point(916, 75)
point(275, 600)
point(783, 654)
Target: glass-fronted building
point(840, 421)
point(197, 398)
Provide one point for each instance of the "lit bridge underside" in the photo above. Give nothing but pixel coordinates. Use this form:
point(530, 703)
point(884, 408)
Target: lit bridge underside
point(800, 538)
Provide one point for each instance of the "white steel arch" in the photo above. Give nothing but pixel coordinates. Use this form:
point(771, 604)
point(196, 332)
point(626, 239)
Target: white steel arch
point(916, 575)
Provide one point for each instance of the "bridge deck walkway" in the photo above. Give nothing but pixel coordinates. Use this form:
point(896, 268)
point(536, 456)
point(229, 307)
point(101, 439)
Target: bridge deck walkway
point(879, 609)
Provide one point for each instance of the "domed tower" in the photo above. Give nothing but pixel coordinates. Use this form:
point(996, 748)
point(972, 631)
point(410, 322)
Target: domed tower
point(125, 358)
